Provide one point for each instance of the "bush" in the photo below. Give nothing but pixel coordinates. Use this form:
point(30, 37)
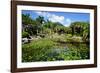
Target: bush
point(37, 50)
point(25, 34)
point(48, 50)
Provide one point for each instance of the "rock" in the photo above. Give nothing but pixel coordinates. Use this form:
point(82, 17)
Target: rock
point(24, 40)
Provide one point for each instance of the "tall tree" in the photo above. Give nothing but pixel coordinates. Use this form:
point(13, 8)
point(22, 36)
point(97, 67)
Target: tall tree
point(39, 22)
point(26, 19)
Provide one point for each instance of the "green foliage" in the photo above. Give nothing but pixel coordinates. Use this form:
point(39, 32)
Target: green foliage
point(50, 40)
point(79, 27)
point(26, 19)
point(25, 34)
point(86, 35)
point(48, 50)
point(36, 49)
point(40, 19)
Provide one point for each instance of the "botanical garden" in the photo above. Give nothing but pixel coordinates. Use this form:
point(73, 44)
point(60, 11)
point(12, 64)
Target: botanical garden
point(44, 40)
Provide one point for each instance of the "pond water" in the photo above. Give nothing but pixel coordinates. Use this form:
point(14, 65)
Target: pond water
point(65, 51)
point(68, 52)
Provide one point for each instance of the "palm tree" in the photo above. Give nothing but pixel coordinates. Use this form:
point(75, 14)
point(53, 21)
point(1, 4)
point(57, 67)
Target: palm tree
point(26, 19)
point(86, 32)
point(78, 27)
point(39, 22)
point(82, 29)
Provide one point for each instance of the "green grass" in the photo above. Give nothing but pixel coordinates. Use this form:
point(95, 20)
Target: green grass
point(36, 49)
point(49, 50)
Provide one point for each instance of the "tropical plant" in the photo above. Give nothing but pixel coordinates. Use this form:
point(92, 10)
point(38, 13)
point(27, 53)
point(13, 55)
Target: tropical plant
point(25, 34)
point(26, 19)
point(79, 27)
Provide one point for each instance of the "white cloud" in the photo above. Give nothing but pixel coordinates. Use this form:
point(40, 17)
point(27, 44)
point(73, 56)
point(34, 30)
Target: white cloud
point(55, 18)
point(68, 22)
point(39, 13)
point(42, 13)
point(52, 17)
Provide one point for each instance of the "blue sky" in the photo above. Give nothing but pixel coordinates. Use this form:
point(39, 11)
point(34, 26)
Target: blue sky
point(65, 18)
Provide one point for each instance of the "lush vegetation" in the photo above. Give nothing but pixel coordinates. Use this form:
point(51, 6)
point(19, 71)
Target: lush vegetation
point(51, 41)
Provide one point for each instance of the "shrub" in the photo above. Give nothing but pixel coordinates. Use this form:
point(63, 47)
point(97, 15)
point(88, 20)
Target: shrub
point(25, 34)
point(36, 50)
point(48, 50)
